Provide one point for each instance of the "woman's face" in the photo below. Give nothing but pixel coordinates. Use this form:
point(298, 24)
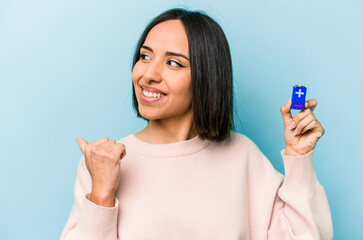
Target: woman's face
point(162, 77)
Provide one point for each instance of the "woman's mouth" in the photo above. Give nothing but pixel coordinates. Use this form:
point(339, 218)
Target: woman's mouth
point(149, 96)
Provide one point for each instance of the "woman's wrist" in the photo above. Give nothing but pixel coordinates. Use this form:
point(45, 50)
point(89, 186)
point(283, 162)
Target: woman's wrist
point(102, 199)
point(289, 152)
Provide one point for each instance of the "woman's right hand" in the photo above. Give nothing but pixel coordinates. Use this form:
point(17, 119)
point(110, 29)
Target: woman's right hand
point(103, 160)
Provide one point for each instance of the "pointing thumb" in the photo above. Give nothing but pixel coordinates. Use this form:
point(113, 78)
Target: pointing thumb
point(82, 143)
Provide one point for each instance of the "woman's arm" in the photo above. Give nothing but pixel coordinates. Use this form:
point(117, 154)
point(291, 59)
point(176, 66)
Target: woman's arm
point(301, 209)
point(88, 220)
point(95, 208)
point(287, 207)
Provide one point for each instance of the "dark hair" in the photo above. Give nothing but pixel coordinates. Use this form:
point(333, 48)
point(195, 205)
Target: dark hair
point(211, 72)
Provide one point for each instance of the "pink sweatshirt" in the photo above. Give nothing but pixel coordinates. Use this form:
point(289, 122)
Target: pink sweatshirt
point(202, 190)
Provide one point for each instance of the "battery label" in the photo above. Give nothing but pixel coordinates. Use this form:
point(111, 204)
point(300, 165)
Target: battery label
point(298, 97)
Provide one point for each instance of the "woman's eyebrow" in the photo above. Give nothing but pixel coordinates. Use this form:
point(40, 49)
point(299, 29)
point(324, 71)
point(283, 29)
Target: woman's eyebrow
point(167, 53)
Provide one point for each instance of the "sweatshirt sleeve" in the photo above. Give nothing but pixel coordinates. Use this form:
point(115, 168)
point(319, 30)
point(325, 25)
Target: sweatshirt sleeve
point(88, 220)
point(287, 207)
point(300, 209)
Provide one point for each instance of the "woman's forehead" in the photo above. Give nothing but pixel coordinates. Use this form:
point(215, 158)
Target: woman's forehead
point(168, 36)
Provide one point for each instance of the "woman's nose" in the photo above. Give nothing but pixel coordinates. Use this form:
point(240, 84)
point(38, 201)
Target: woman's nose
point(153, 72)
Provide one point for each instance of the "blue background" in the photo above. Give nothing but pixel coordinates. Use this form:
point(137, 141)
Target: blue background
point(65, 72)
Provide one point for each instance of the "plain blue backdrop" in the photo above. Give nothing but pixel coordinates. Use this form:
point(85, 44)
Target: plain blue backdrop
point(65, 72)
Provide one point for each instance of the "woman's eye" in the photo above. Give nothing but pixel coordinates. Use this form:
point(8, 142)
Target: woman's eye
point(144, 56)
point(174, 64)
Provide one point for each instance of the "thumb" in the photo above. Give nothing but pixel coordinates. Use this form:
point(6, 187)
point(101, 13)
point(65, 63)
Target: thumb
point(285, 112)
point(82, 143)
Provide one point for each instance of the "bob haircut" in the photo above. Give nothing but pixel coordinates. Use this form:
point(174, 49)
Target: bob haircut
point(211, 72)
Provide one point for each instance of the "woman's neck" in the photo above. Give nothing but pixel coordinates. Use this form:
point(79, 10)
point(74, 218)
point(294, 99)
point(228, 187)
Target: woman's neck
point(170, 130)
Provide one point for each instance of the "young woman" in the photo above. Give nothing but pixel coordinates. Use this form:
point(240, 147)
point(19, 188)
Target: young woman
point(186, 175)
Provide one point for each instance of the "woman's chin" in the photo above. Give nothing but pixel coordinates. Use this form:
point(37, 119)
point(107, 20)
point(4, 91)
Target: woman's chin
point(150, 116)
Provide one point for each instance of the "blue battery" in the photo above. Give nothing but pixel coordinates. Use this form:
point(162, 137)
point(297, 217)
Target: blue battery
point(298, 97)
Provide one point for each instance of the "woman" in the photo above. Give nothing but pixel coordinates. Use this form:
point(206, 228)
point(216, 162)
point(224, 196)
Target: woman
point(185, 176)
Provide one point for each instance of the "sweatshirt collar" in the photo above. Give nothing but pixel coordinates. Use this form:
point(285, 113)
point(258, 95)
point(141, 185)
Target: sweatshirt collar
point(181, 148)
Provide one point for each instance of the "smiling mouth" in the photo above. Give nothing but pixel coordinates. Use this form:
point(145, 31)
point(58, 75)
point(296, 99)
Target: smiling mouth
point(152, 94)
point(151, 97)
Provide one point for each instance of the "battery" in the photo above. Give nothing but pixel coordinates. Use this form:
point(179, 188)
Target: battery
point(298, 97)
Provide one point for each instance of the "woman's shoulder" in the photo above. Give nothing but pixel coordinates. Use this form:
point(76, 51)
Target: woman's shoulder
point(236, 140)
point(239, 138)
point(125, 138)
point(236, 136)
point(239, 148)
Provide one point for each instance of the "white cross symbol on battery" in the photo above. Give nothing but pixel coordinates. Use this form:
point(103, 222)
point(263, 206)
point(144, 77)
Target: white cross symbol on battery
point(299, 92)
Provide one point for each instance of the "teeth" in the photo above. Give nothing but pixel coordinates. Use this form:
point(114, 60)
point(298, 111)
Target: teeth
point(151, 94)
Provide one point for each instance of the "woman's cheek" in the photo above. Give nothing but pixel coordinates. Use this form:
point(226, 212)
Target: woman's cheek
point(136, 75)
point(135, 72)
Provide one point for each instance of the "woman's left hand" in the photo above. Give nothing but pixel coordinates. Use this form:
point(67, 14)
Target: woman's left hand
point(302, 131)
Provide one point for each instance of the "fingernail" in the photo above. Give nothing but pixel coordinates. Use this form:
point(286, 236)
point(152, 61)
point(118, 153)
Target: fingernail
point(296, 132)
point(306, 104)
point(292, 125)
